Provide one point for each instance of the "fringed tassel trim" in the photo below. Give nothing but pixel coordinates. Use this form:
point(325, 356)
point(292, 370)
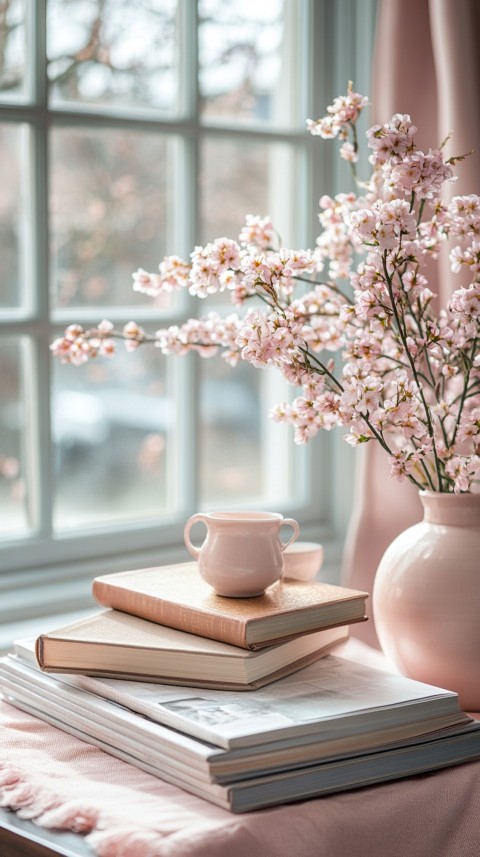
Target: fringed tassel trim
point(33, 802)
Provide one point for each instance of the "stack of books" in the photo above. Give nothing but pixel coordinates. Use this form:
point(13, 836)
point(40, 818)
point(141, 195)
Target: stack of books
point(167, 625)
point(325, 727)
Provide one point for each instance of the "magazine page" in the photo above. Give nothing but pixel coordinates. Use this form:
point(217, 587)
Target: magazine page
point(320, 695)
point(331, 694)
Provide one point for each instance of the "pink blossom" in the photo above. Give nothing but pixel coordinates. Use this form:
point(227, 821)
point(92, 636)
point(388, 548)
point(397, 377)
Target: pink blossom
point(401, 465)
point(133, 334)
point(61, 348)
point(463, 470)
point(258, 231)
point(225, 254)
point(73, 331)
point(325, 127)
point(418, 173)
point(107, 348)
point(206, 336)
point(469, 427)
point(463, 217)
point(465, 305)
point(149, 284)
point(75, 349)
point(267, 340)
point(384, 225)
point(209, 263)
point(132, 330)
point(174, 273)
point(431, 236)
point(393, 140)
point(348, 153)
point(343, 113)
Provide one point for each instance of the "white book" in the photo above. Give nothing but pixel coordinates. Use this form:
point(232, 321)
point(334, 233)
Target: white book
point(112, 644)
point(427, 753)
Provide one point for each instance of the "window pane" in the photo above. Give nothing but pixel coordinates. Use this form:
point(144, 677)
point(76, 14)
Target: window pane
point(230, 434)
point(13, 506)
point(244, 456)
point(239, 178)
point(111, 212)
point(112, 422)
point(12, 49)
point(241, 54)
point(12, 216)
point(113, 52)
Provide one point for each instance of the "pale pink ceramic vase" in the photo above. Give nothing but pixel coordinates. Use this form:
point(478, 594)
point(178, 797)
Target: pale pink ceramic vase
point(426, 597)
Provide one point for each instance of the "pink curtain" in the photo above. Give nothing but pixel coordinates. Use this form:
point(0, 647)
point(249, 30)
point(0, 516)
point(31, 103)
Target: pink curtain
point(426, 63)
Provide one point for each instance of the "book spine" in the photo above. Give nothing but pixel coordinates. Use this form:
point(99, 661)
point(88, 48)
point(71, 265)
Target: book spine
point(179, 616)
point(39, 652)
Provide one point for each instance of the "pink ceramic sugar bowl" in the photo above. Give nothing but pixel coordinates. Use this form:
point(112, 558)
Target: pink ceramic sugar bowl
point(242, 553)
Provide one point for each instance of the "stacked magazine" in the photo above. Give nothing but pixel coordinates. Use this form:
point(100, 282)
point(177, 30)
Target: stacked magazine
point(331, 726)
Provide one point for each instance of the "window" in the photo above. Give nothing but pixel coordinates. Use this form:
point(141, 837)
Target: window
point(129, 131)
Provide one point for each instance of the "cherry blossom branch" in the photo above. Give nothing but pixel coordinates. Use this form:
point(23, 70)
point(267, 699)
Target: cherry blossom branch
point(420, 330)
point(409, 374)
point(322, 369)
point(464, 394)
point(413, 369)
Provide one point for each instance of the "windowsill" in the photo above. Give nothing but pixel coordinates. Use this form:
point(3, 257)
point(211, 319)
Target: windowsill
point(34, 627)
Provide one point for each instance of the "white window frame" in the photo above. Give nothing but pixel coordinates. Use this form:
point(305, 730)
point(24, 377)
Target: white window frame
point(45, 573)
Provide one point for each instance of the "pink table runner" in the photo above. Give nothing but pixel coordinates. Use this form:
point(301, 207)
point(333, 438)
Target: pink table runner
point(61, 782)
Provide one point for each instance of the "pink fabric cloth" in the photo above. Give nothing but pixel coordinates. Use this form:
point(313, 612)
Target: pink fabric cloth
point(61, 782)
point(427, 64)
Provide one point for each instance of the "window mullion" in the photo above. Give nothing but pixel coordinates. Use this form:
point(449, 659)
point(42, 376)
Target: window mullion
point(188, 95)
point(187, 372)
point(37, 362)
point(37, 46)
point(184, 374)
point(37, 382)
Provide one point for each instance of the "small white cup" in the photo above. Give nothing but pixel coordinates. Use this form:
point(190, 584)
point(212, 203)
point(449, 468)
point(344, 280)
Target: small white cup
point(302, 561)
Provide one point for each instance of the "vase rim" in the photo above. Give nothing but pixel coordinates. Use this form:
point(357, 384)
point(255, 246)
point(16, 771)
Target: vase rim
point(424, 492)
point(461, 510)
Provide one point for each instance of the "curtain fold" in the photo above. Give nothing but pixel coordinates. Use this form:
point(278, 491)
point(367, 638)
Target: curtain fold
point(426, 63)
